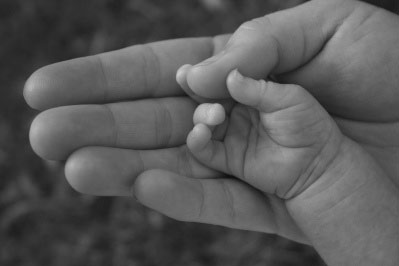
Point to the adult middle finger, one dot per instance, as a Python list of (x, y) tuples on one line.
[(143, 124)]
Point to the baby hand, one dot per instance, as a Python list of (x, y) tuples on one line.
[(320, 45), (278, 137)]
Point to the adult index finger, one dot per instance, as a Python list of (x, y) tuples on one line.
[(135, 72)]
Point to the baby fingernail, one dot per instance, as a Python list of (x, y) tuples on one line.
[(184, 68), (181, 73), (210, 60), (237, 75)]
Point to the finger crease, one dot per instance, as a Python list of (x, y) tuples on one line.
[(115, 131), (245, 154), (104, 78), (202, 203), (152, 70), (166, 122), (183, 164), (230, 201)]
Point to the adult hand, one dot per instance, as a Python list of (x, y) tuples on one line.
[(99, 83), (116, 116)]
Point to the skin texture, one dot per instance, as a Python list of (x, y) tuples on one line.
[(332, 67), (279, 139)]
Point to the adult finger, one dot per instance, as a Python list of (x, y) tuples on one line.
[(222, 201), (135, 72), (104, 171), (269, 45), (143, 124)]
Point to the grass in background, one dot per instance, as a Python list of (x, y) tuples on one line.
[(44, 222)]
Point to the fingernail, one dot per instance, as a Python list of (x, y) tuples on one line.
[(235, 76), (238, 75), (181, 79), (181, 74), (206, 62), (211, 60)]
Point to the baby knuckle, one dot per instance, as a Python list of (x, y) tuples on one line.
[(263, 85)]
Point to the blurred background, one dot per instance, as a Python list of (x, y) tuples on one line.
[(42, 220)]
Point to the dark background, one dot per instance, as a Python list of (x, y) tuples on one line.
[(42, 220)]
